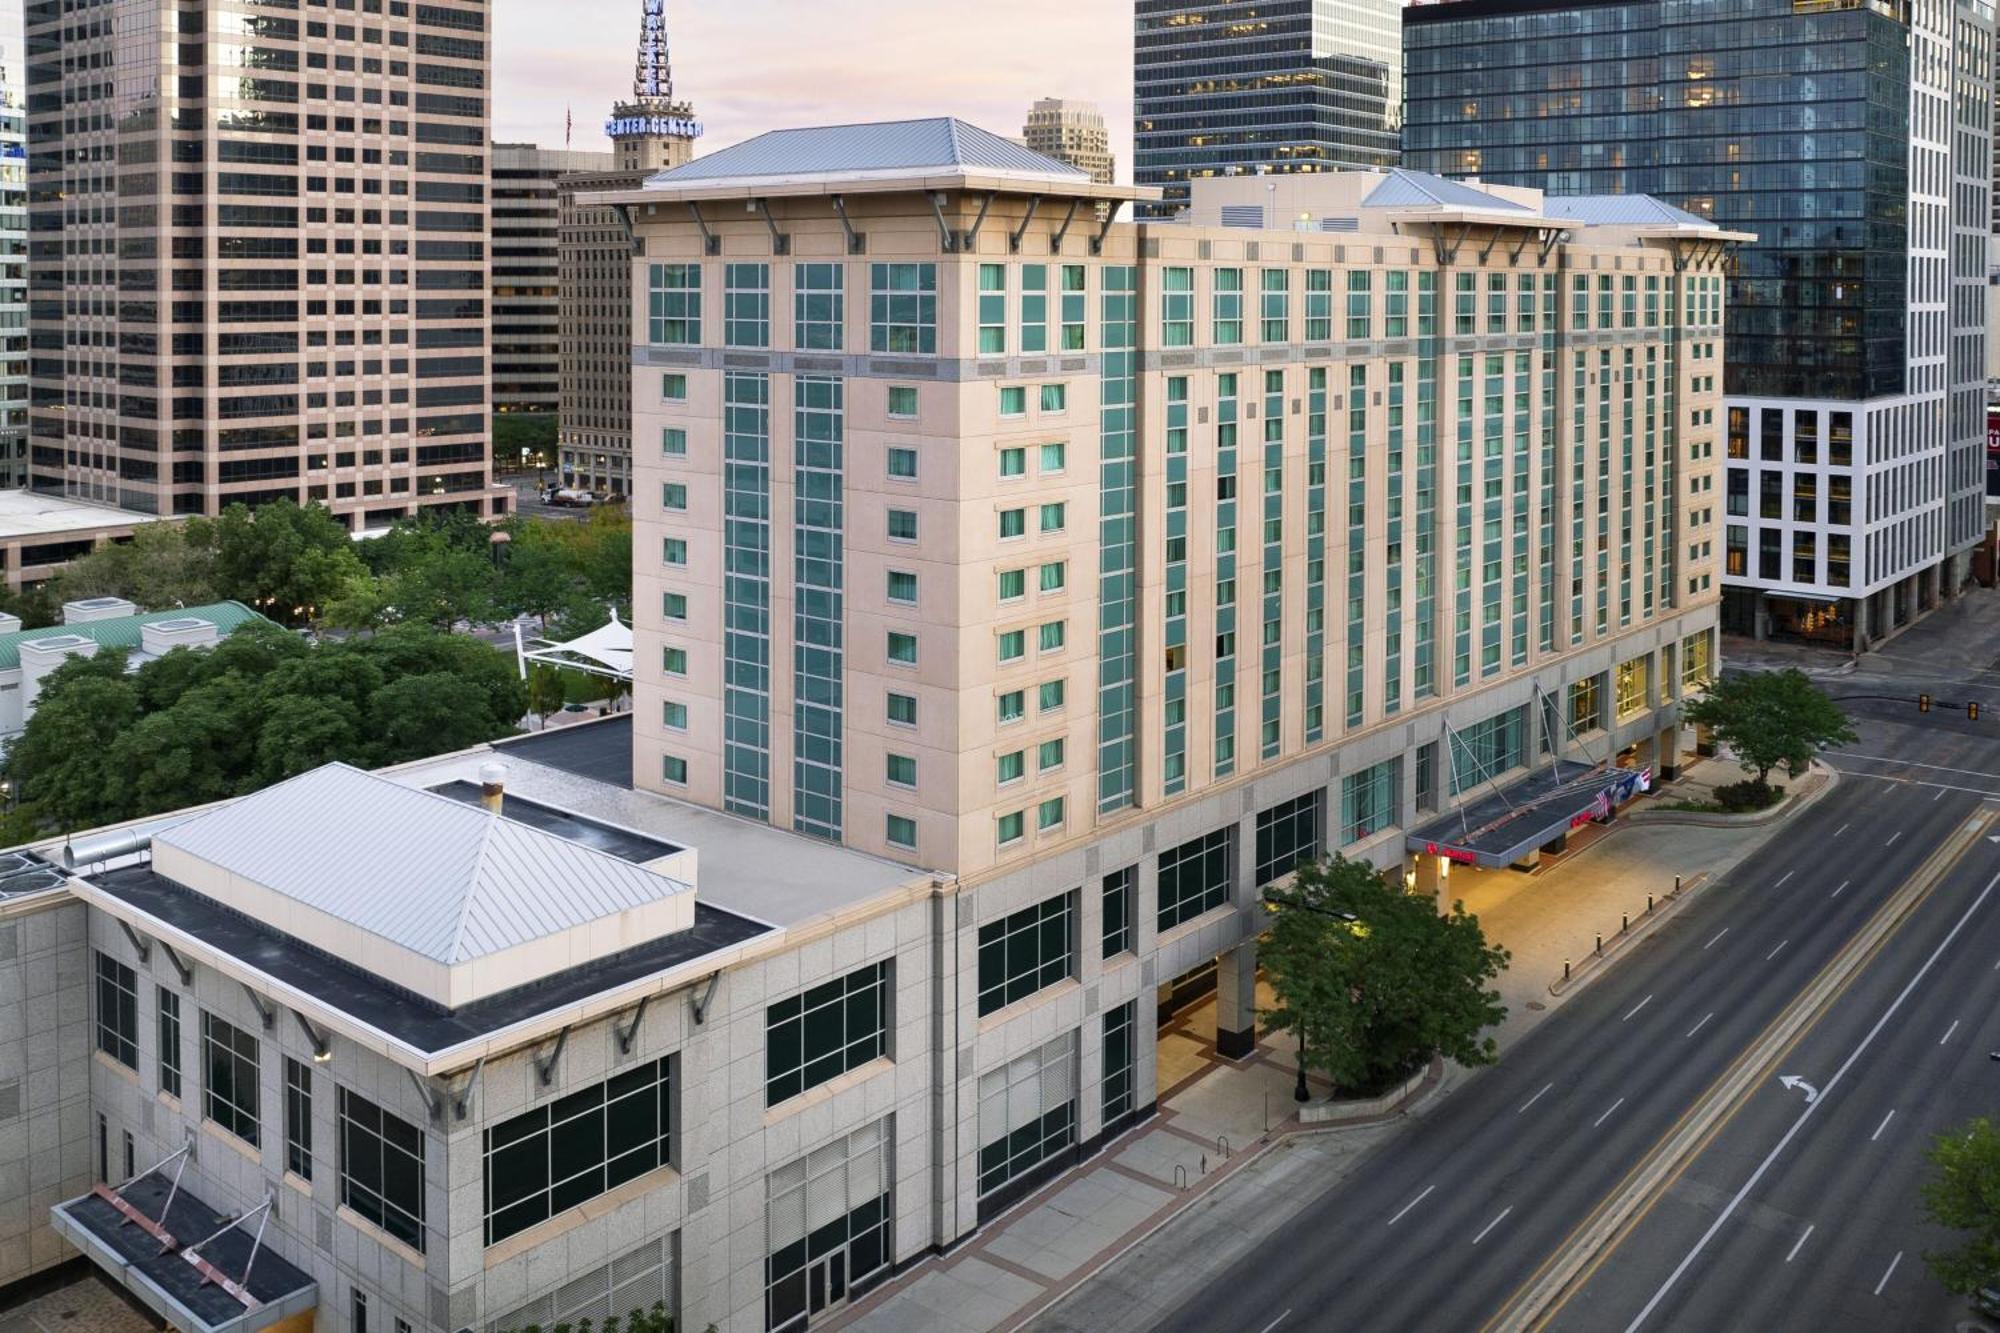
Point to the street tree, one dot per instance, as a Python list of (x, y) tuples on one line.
[(546, 692), (1771, 719), (285, 559), (1375, 980), (1963, 1195), (61, 764), (163, 565)]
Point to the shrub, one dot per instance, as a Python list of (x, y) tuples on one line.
[(1742, 798)]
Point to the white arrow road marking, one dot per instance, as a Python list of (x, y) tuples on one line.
[(1791, 1082), (1799, 1244), (1411, 1204)]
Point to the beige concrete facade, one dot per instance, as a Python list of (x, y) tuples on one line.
[(281, 291), (1386, 478), (527, 294)]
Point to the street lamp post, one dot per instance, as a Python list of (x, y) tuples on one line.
[(1300, 1093)]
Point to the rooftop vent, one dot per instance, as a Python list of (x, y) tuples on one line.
[(163, 636), (97, 608)]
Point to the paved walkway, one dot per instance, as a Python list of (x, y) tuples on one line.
[(87, 1305), (1051, 1242)]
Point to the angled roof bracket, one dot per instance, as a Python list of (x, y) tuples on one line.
[(322, 1042), (1551, 238), (781, 244), (429, 1096), (1055, 243), (462, 1098), (857, 242), (545, 1068), (1514, 255), (1492, 239), (1014, 236), (946, 236), (711, 244), (139, 945), (972, 232), (626, 1032), (706, 998), (180, 964), (1103, 230), (264, 1011)]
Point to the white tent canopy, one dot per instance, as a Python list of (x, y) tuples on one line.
[(605, 651)]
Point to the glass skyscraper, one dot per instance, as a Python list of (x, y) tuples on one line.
[(1288, 85), (1854, 138)]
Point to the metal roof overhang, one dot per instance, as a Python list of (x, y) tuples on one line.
[(142, 1235), (1498, 830), (899, 180)]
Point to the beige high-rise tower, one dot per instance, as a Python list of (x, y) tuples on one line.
[(650, 133), (280, 289), (1071, 132)]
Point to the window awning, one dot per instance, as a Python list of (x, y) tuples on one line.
[(193, 1266), (1499, 829)]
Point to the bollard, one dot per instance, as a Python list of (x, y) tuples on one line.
[(1565, 969), (1600, 941), (1677, 886), (1649, 904), (1624, 922)]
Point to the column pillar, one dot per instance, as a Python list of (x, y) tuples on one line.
[(1236, 1001), (1667, 766), (1434, 879)]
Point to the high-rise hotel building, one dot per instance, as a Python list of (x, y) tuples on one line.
[(258, 255), (1855, 140), (976, 533)]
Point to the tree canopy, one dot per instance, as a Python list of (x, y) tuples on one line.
[(105, 744), (1376, 980), (1963, 1194), (1771, 719)]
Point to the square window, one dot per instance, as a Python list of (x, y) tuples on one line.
[(902, 770), (902, 709), (674, 661), (1013, 645), (674, 388), (1013, 583), (673, 495), (1052, 457), (901, 831), (676, 715), (1013, 400), (903, 648), (1013, 523), (1010, 767), (674, 769), (674, 551), (1049, 814), (674, 442), (1055, 397), (902, 400), (1009, 828), (1054, 576), (1012, 705), (902, 586), (1052, 635), (1053, 517), (1050, 696), (902, 525), (1013, 462), (1049, 755), (674, 605), (902, 464)]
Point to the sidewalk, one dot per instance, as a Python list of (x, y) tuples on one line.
[(1223, 1123)]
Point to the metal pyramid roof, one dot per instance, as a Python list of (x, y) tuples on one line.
[(1403, 188), (438, 877), (939, 145)]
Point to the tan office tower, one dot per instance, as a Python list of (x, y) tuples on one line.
[(1071, 132), (649, 133), (258, 265), (978, 534), (527, 295)]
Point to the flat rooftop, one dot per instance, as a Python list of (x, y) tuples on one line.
[(29, 514)]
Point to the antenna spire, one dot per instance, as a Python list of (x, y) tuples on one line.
[(653, 79)]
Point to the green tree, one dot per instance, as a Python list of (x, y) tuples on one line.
[(197, 751), (288, 561), (1771, 719), (535, 578), (448, 586), (61, 765), (545, 692), (37, 606), (301, 732), (1963, 1194), (424, 715), (1376, 980), (163, 565)]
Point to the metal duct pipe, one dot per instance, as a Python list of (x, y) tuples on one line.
[(122, 842)]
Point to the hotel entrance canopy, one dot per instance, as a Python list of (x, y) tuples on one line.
[(1500, 828)]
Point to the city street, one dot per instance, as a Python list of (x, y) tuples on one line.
[(1448, 1224)]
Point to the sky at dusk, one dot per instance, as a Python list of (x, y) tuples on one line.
[(755, 65)]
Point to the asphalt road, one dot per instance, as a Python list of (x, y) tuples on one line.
[(1441, 1227)]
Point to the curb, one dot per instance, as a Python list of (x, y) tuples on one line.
[(1596, 962), (1816, 784)]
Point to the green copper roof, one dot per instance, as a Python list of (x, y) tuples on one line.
[(123, 631)]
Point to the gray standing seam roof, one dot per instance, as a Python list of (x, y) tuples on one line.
[(441, 878), (943, 144), (1615, 210), (1403, 188)]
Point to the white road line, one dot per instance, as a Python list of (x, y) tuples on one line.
[(1842, 829), (1911, 763), (1532, 1100), (1411, 1204), (1494, 1223), (1704, 1023), (1636, 1008), (1275, 1322), (1781, 880), (1940, 793), (1780, 949), (1888, 1272), (1892, 838), (1800, 1243), (1836, 893), (1725, 930), (1884, 1125), (1736, 1200), (1607, 1115), (1948, 1031)]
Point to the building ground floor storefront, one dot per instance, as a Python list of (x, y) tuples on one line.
[(1849, 624)]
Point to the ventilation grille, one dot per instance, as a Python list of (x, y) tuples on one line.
[(1243, 215)]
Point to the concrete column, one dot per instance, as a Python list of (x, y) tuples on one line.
[(1236, 1001), (1858, 608), (1434, 879), (1668, 747)]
